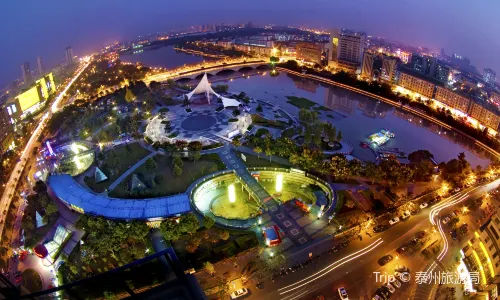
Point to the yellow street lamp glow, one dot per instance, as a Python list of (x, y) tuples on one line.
[(232, 193), (279, 182)]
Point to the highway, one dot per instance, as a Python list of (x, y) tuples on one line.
[(14, 178), (353, 267)]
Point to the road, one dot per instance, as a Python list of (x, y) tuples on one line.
[(11, 185), (353, 267)]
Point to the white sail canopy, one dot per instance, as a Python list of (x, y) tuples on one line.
[(205, 87)]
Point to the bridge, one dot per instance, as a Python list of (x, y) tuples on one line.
[(211, 68)]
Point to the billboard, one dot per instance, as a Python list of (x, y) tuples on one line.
[(29, 98)]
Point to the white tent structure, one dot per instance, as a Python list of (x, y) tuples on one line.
[(205, 87)]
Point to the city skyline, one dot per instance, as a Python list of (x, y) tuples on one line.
[(92, 25)]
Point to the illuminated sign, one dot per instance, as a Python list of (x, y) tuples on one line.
[(29, 98)]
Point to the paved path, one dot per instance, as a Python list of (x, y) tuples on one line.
[(129, 171)]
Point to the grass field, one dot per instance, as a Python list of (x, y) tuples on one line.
[(300, 102), (124, 157), (170, 184)]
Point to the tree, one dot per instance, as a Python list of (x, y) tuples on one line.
[(259, 108), (223, 234), (236, 142), (177, 170), (51, 208), (209, 267), (151, 164), (257, 150), (223, 286), (339, 167), (339, 136), (189, 223), (196, 155), (208, 222), (193, 244), (129, 95), (274, 59), (269, 152)]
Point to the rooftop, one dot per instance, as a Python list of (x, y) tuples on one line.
[(72, 194)]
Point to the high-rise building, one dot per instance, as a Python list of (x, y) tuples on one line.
[(489, 76), (350, 50), (39, 65), (389, 66), (404, 56), (429, 66), (69, 55), (26, 71), (367, 68), (333, 45)]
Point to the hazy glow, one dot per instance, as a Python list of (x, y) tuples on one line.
[(232, 193), (279, 182)]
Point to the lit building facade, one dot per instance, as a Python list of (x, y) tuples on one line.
[(31, 100), (485, 116), (417, 85), (367, 68), (388, 72), (452, 99), (350, 50), (404, 56), (309, 52), (481, 255)]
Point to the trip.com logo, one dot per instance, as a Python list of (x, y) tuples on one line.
[(388, 278)]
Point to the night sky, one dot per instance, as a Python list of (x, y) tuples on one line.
[(30, 28)]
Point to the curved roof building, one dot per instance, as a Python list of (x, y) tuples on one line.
[(80, 199)]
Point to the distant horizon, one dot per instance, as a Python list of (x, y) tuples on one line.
[(36, 29)]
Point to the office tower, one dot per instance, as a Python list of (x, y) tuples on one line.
[(333, 44), (26, 71), (351, 46), (442, 53), (417, 63), (6, 132), (430, 67), (489, 76), (69, 55), (388, 72), (39, 65), (367, 69)]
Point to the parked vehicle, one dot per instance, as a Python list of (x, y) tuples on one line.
[(423, 205), (385, 259), (343, 293), (394, 220), (239, 293)]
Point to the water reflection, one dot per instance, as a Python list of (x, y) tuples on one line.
[(356, 115)]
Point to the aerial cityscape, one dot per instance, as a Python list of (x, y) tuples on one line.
[(233, 152)]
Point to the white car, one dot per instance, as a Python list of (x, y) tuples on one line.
[(239, 293), (394, 220), (396, 283), (389, 287), (446, 220), (343, 293), (377, 297), (423, 205), (405, 215)]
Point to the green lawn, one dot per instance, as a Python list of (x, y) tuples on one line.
[(124, 157), (300, 102), (169, 184), (254, 161), (320, 107)]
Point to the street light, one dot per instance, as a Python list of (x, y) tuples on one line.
[(232, 193), (279, 182)]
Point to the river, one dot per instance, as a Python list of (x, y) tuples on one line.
[(355, 115)]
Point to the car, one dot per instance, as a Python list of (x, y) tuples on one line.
[(413, 242), (423, 205), (453, 234), (389, 287), (421, 234), (446, 220), (396, 283), (402, 249), (402, 269), (343, 293), (239, 293), (405, 215), (456, 190), (383, 293), (393, 220), (385, 259), (379, 228), (377, 297)]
